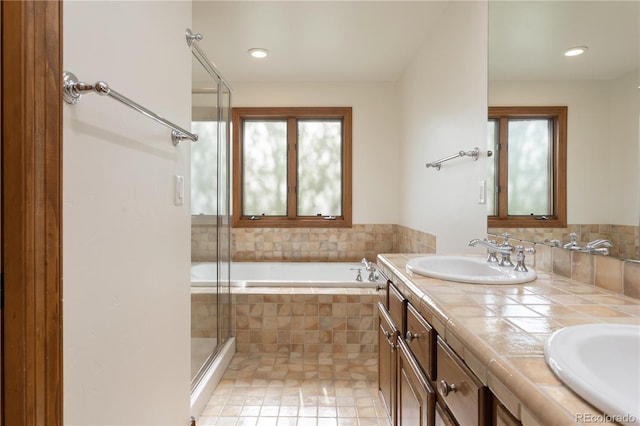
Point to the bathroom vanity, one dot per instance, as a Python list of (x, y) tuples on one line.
[(468, 354)]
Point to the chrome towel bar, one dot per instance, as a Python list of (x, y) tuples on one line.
[(474, 153), (73, 89)]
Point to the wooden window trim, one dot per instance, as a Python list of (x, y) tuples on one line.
[(291, 114), (559, 217)]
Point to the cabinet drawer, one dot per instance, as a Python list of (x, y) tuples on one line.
[(397, 303), (421, 338), (465, 396), (416, 398)]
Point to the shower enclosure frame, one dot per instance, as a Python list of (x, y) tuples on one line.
[(210, 372)]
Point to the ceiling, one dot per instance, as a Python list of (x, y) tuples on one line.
[(314, 40), (376, 40), (527, 39)]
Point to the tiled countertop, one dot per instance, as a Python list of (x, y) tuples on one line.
[(500, 332)]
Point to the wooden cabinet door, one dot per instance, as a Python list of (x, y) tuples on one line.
[(416, 398), (387, 361), (463, 394)]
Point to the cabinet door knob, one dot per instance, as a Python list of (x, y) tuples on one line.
[(444, 388), (410, 336)]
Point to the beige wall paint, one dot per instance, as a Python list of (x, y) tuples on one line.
[(126, 246), (444, 110), (603, 142)]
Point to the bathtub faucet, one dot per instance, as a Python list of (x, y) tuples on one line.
[(359, 276), (371, 268)]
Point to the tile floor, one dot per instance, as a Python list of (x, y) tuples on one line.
[(295, 389)]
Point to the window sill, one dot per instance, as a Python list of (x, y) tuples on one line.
[(265, 222), (526, 223)]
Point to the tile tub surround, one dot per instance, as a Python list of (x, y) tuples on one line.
[(311, 244), (304, 320), (500, 332), (605, 272)]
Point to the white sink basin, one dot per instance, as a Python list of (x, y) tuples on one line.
[(467, 269), (600, 362)]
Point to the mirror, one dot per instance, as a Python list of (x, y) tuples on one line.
[(601, 89)]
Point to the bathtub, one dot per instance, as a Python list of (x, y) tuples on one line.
[(286, 274)]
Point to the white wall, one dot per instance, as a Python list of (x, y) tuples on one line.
[(624, 153), (602, 142), (126, 246), (444, 110), (376, 135)]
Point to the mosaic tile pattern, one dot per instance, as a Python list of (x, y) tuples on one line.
[(304, 320), (311, 244), (296, 389), (407, 240)]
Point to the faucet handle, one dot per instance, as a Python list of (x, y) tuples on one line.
[(492, 253), (521, 250)]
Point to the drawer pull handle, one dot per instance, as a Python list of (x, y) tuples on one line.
[(410, 336), (380, 287), (392, 346), (389, 336), (444, 388)]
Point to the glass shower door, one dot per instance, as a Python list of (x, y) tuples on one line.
[(210, 208)]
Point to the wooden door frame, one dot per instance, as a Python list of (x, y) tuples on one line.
[(31, 212)]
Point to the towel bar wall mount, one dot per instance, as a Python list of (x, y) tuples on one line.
[(474, 154), (73, 89)]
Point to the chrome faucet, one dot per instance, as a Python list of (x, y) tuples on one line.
[(594, 246), (371, 268), (520, 257), (553, 243), (367, 265), (597, 243), (493, 248), (359, 276), (573, 244), (505, 258)]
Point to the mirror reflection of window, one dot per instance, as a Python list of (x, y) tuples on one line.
[(529, 188), (528, 174)]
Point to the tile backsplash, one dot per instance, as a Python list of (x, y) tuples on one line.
[(625, 239), (352, 244), (610, 273), (312, 244)]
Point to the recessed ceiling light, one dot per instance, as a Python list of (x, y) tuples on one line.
[(575, 51), (258, 52)]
